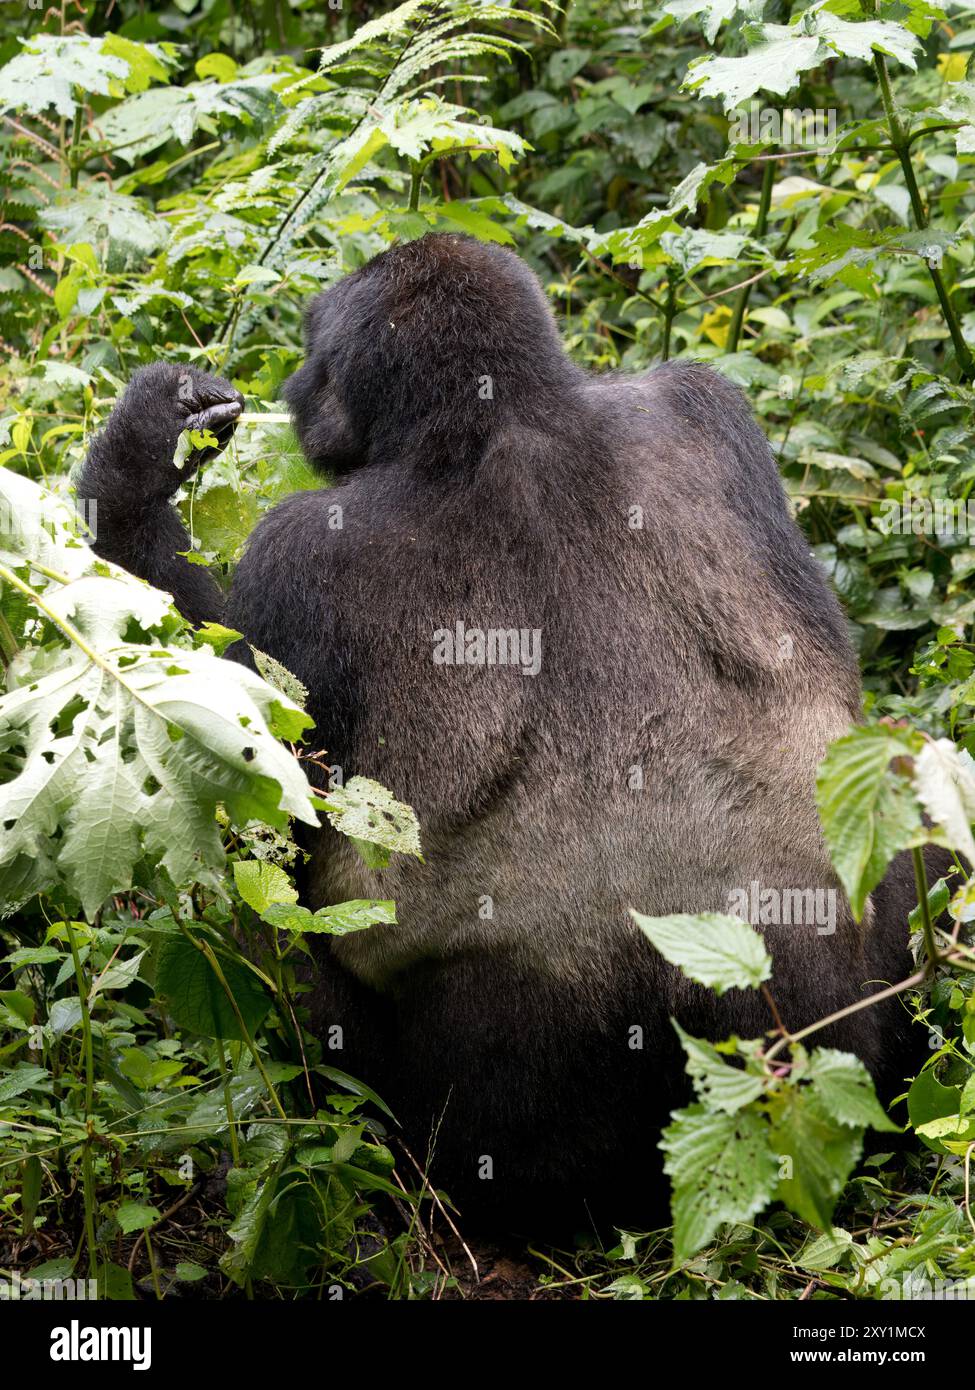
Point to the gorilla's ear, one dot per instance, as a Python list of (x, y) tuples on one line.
[(324, 427)]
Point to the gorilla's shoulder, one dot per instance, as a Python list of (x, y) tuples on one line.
[(702, 396)]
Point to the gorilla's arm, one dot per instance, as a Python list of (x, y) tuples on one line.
[(130, 475)]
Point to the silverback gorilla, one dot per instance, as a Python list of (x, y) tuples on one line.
[(571, 621)]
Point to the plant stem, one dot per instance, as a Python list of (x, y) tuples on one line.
[(927, 926), (416, 178), (761, 225), (87, 1169), (917, 978), (901, 144), (670, 312), (228, 1101), (74, 163)]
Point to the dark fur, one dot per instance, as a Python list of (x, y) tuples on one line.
[(661, 648)]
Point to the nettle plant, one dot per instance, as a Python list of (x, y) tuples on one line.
[(137, 767), (774, 1121)]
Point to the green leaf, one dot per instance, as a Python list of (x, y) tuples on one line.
[(51, 66), (826, 1251), (722, 1170), (136, 1216), (117, 976), (864, 38), (944, 780), (821, 1152), (718, 1084), (339, 920), (846, 1090), (260, 884), (24, 1077), (371, 816), (713, 949), (867, 815), (64, 1015), (197, 1000), (33, 955), (122, 231), (144, 122), (774, 66), (157, 739), (928, 1101)]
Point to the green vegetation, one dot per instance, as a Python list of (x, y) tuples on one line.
[(178, 182)]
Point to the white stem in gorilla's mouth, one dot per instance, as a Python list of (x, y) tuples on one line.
[(264, 417)]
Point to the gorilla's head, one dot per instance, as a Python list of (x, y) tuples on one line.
[(425, 351)]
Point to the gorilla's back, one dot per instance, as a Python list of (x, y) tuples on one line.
[(603, 685)]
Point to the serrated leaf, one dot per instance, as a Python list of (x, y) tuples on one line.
[(826, 1251), (260, 884), (867, 815), (366, 812), (865, 37), (944, 779), (722, 1170), (821, 1152), (717, 1083), (24, 1077), (846, 1090), (51, 66), (123, 233), (118, 976), (136, 1216), (774, 66), (156, 740), (716, 950)]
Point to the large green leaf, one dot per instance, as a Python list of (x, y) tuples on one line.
[(722, 1169), (816, 1153), (122, 230), (53, 66), (867, 814), (710, 947), (196, 998), (120, 748), (149, 119)]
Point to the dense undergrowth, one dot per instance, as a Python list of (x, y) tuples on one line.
[(783, 192)]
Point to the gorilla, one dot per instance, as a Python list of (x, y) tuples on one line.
[(571, 621)]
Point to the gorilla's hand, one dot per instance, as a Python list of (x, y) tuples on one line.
[(161, 401)]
